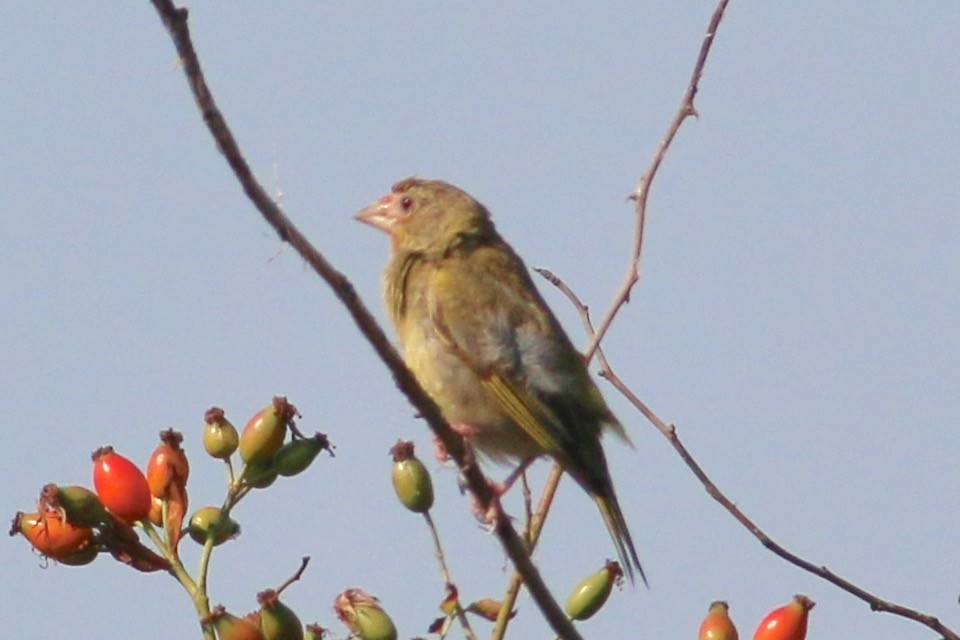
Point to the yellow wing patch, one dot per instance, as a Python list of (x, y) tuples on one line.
[(522, 408)]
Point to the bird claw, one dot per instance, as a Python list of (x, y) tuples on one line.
[(463, 430), (498, 488), (481, 513), (440, 452), (489, 515), (495, 513)]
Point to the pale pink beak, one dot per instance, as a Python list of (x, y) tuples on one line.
[(379, 214)]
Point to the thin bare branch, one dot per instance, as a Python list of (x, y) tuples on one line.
[(304, 561), (605, 370), (639, 196), (534, 527), (445, 576)]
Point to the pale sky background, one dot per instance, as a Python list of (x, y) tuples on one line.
[(797, 317)]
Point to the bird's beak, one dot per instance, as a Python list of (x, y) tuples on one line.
[(379, 214)]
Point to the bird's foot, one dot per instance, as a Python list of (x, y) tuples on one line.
[(491, 514), (440, 452), (463, 430), (501, 488)]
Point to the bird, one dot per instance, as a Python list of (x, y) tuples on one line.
[(481, 341)]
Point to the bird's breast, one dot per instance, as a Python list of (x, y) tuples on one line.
[(461, 396)]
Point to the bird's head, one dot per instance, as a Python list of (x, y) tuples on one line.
[(427, 216)]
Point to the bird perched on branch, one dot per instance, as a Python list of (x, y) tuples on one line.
[(481, 341)]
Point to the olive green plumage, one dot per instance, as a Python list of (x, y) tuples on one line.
[(478, 336)]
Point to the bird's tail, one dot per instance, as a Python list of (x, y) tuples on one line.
[(617, 526)]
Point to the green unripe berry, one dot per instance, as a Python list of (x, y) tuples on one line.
[(265, 431), (277, 620), (411, 480), (260, 475), (220, 437), (80, 506), (592, 593), (211, 521), (294, 457), (363, 615)]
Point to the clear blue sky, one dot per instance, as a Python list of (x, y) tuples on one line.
[(797, 317)]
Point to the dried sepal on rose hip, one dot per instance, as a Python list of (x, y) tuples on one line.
[(295, 456), (788, 622), (254, 617), (277, 620), (362, 614), (156, 511), (121, 541), (411, 480), (120, 485), (220, 437), (717, 624), (265, 431), (450, 606), (314, 632), (176, 512), (451, 603), (591, 594)]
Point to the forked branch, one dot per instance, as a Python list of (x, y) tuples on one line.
[(639, 195)]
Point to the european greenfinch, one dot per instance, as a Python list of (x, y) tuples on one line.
[(481, 341)]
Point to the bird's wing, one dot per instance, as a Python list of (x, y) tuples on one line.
[(487, 310)]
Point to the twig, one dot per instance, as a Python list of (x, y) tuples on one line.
[(639, 195), (289, 581), (534, 526), (175, 21), (527, 506), (203, 570), (196, 589), (445, 576), (670, 432)]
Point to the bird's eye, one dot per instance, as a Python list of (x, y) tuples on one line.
[(406, 202)]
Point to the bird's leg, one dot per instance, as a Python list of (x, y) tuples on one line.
[(463, 430), (500, 488), (494, 509), (491, 513), (440, 452)]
